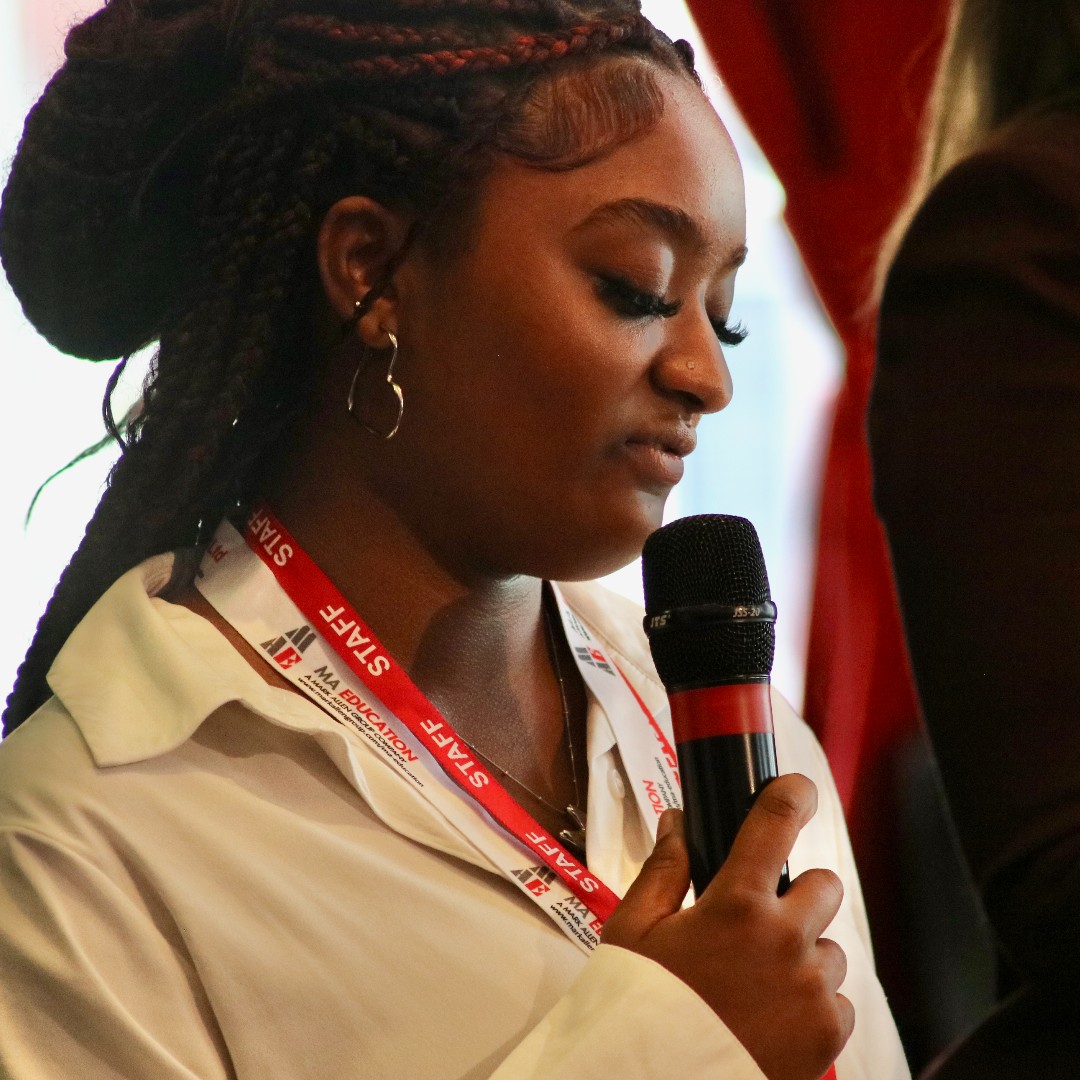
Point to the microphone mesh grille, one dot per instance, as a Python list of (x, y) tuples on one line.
[(707, 559)]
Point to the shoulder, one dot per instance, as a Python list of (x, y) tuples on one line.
[(1018, 193), (1037, 155), (981, 302), (48, 778)]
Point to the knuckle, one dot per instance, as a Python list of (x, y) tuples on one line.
[(835, 958), (832, 880), (742, 902), (780, 802), (789, 939), (823, 982), (834, 1027), (827, 882), (832, 1033), (846, 1014), (837, 1027), (790, 797)]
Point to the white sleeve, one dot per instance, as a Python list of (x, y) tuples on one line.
[(627, 1017), (90, 986), (96, 982)]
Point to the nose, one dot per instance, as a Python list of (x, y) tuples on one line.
[(691, 366)]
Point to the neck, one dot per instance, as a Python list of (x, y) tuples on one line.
[(447, 626), (475, 645)]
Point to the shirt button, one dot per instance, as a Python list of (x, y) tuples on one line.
[(615, 784)]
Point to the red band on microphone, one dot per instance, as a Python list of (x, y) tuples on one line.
[(735, 709)]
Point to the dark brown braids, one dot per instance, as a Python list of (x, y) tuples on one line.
[(170, 183)]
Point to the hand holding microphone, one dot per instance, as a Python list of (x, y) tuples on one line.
[(751, 950), (756, 958)]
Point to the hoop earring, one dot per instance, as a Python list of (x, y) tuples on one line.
[(398, 403)]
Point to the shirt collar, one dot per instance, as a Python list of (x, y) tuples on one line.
[(139, 675), (617, 623)]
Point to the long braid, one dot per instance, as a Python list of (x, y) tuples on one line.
[(306, 101), (178, 471)]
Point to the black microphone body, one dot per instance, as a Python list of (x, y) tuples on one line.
[(721, 776), (710, 623)]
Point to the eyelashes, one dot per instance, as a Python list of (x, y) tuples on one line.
[(625, 298), (729, 335)]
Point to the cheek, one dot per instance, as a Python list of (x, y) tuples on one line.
[(527, 353), (566, 350)]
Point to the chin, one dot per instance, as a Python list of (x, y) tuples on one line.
[(608, 546), (596, 570)]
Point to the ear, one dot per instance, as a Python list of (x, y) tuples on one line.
[(357, 242)]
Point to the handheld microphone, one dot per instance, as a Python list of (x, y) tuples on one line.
[(711, 628)]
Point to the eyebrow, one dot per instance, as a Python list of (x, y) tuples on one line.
[(670, 220)]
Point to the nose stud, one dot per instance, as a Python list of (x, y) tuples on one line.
[(690, 365)]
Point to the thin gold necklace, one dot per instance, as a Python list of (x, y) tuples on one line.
[(574, 835)]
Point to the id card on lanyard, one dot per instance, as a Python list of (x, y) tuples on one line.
[(271, 592)]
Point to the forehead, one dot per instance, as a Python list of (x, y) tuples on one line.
[(686, 162)]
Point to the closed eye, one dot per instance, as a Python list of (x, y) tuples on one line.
[(625, 298)]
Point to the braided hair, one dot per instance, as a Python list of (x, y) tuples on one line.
[(171, 180)]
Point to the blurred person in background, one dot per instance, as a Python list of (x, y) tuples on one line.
[(974, 427)]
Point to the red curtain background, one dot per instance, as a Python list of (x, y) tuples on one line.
[(834, 93)]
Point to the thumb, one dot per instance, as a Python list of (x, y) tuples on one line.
[(659, 888)]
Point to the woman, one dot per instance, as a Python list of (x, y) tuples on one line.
[(441, 289), (973, 427)]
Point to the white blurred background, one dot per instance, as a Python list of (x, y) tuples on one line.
[(760, 458)]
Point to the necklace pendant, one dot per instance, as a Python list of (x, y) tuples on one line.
[(574, 838)]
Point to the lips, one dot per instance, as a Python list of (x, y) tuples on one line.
[(679, 440), (657, 454)]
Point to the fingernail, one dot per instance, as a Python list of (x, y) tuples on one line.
[(666, 824)]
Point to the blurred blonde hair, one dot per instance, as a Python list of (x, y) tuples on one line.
[(1002, 60)]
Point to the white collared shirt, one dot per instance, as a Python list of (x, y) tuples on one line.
[(203, 876)]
